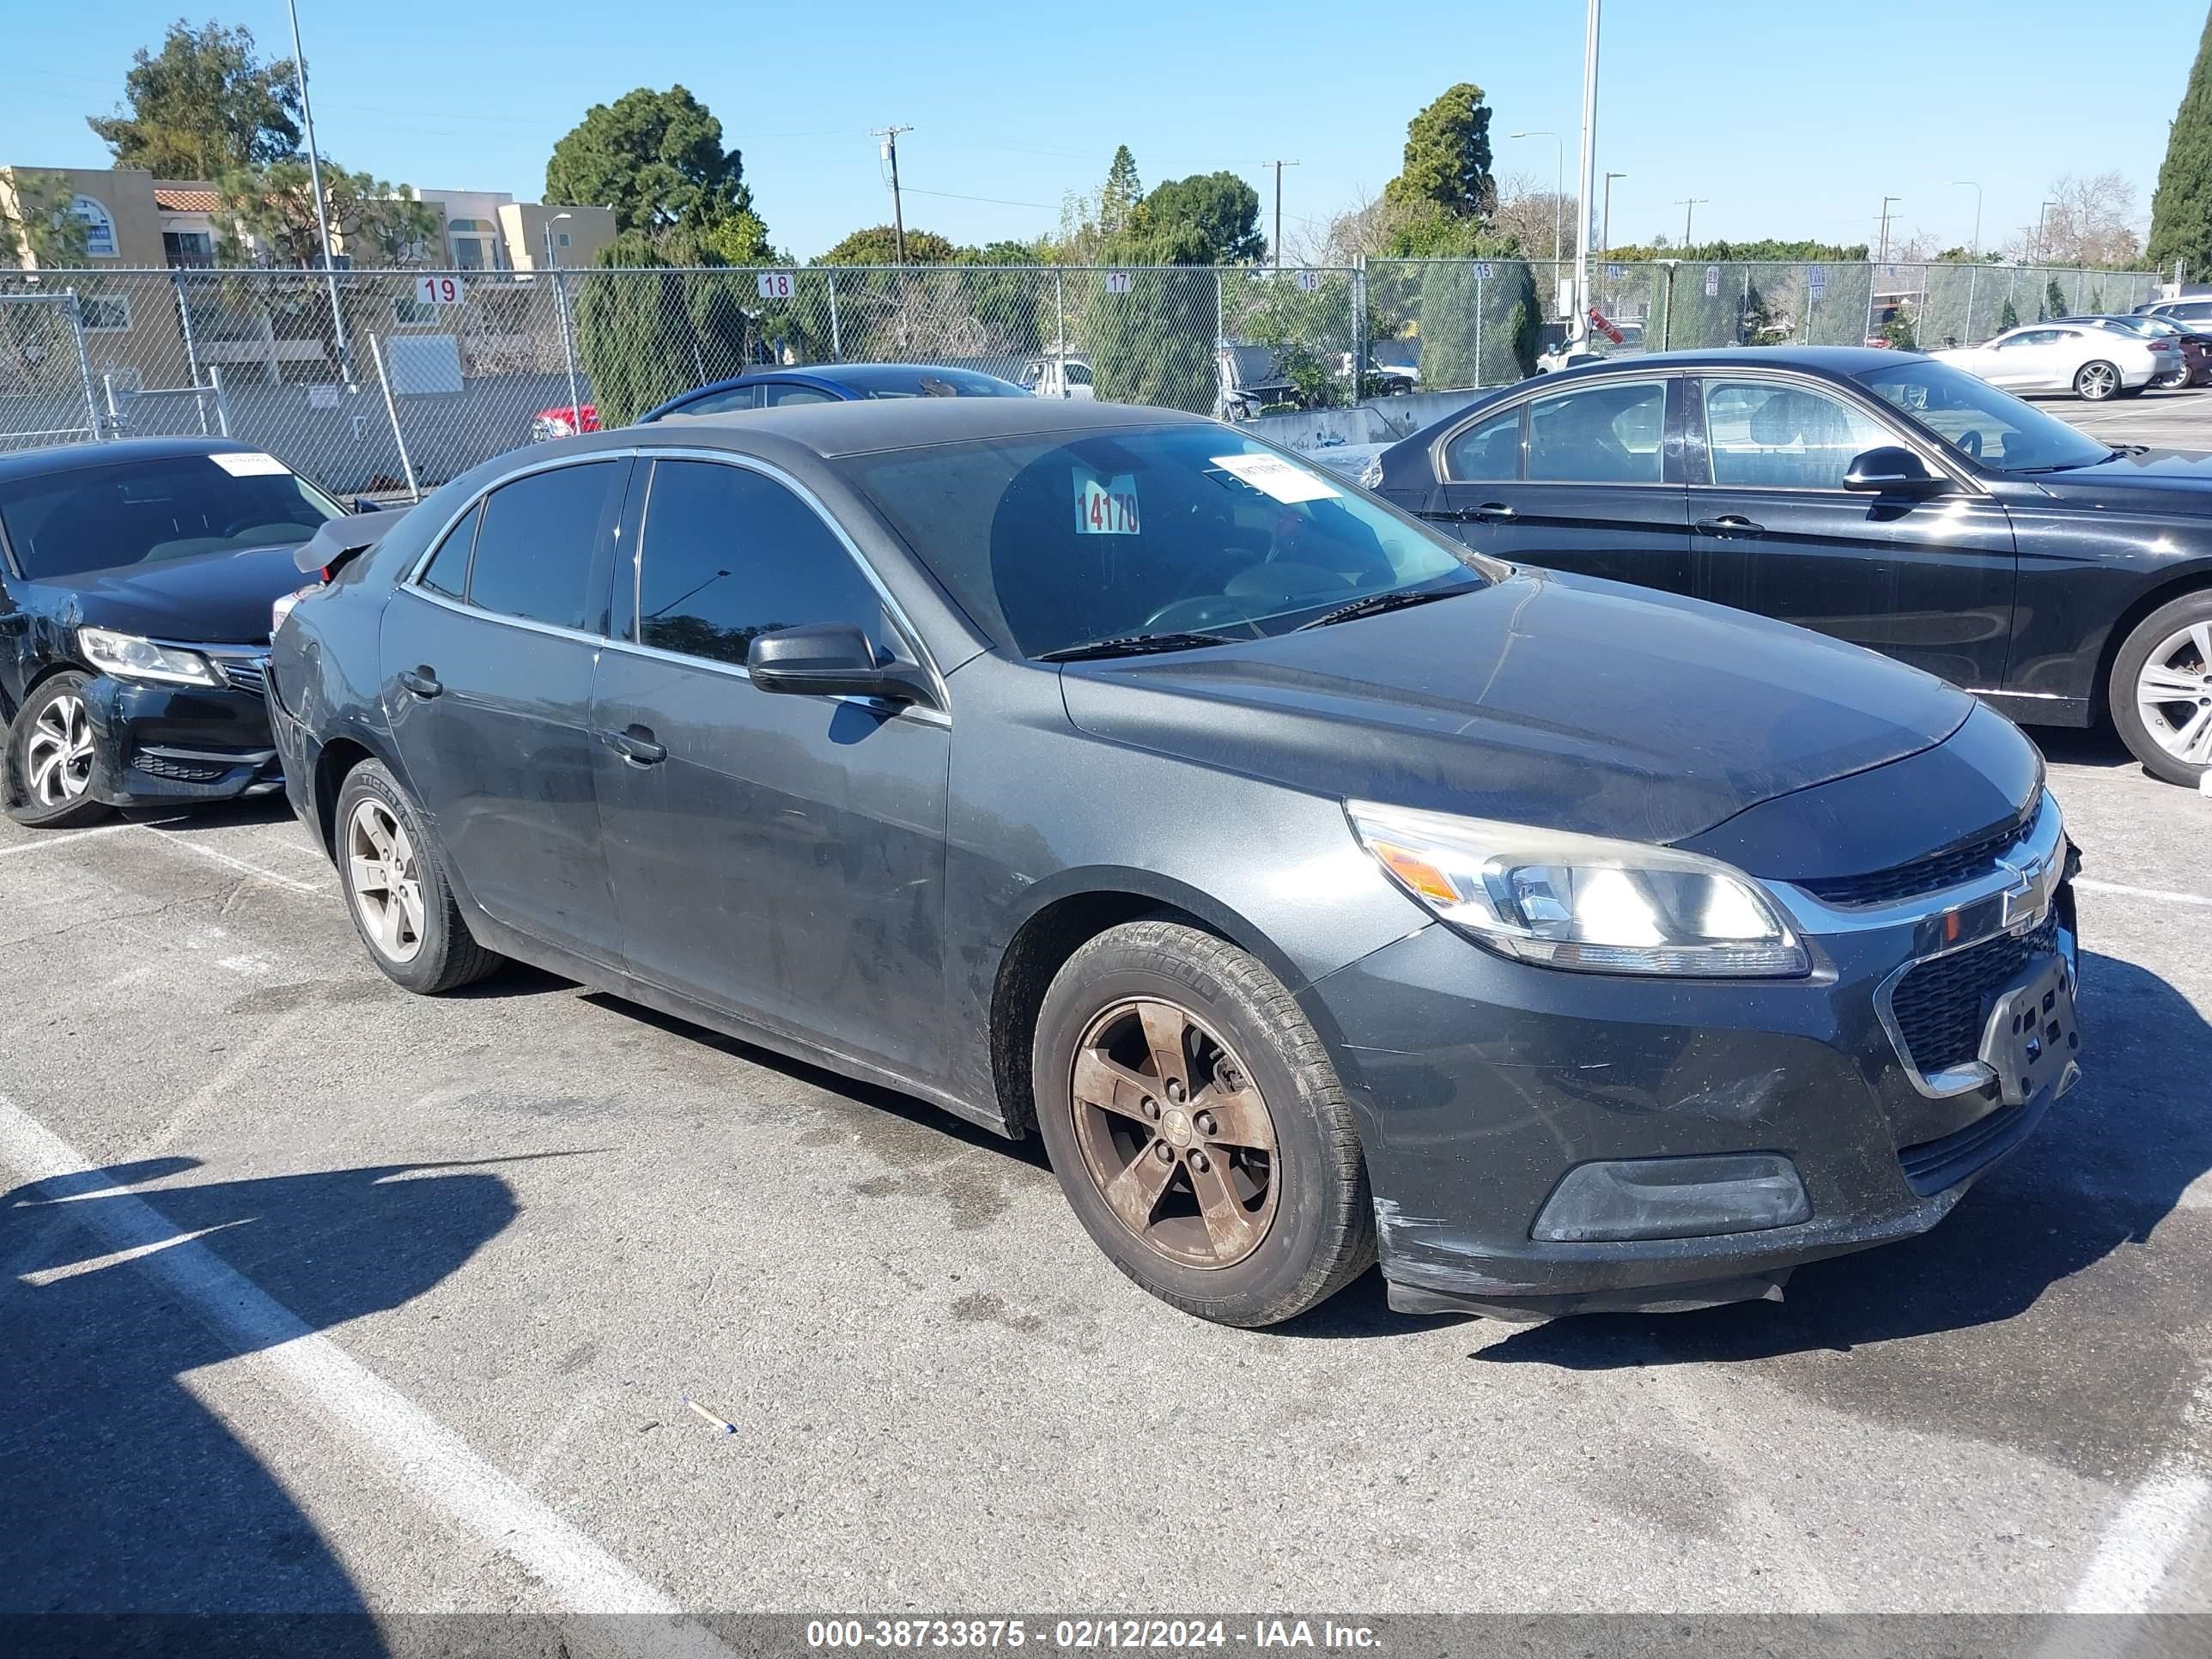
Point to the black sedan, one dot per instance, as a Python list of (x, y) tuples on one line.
[(136, 584), (1877, 496), (1314, 888)]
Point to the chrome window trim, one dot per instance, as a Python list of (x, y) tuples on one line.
[(737, 671), (2028, 882), (411, 582)]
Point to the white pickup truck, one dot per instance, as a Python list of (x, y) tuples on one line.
[(1060, 376)]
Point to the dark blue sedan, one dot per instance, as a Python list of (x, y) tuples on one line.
[(778, 388)]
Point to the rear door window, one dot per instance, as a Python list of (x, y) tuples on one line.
[(536, 546), (1486, 452), (1603, 434), (783, 394), (721, 403)]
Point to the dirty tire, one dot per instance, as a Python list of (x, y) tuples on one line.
[(2180, 634), (1320, 1225), (43, 727), (445, 955)]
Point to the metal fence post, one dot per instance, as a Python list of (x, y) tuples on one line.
[(221, 407), (567, 353), (191, 346), (836, 340), (1973, 275), (1059, 332), (1359, 329), (1478, 328), (115, 417), (84, 365), (391, 408), (1870, 316)]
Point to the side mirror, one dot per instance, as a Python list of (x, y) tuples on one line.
[(1892, 470), (832, 660)]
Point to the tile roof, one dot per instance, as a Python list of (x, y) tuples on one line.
[(185, 198)]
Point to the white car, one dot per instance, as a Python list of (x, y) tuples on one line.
[(2095, 363)]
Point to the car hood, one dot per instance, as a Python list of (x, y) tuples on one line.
[(2170, 480), (1547, 699), (218, 598)]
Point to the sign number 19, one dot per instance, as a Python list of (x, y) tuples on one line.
[(439, 290)]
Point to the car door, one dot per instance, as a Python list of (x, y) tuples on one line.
[(1578, 479), (2027, 361), (486, 658), (779, 856), (1926, 579)]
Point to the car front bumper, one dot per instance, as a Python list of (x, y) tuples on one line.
[(162, 744), (1485, 1083)]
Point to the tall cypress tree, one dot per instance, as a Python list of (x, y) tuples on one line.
[(2181, 206)]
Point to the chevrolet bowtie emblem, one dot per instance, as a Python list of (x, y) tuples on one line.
[(2027, 897)]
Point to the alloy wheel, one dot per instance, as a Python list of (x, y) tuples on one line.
[(385, 883), (2173, 693), (1175, 1134), (57, 754), (2097, 382)]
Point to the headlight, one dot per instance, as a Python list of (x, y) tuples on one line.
[(1370, 476), (1582, 901), (128, 657)]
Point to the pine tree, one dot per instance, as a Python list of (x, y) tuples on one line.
[(2007, 317), (1117, 202), (2054, 299), (2181, 206)]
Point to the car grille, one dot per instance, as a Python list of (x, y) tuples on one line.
[(178, 770), (249, 674), (1962, 861), (1940, 1004)]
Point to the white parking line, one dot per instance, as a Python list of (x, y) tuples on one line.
[(185, 844), (2089, 886), (413, 1449), (62, 838), (2137, 1548)]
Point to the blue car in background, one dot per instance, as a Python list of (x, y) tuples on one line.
[(778, 388)]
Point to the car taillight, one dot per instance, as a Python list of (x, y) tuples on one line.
[(282, 607)]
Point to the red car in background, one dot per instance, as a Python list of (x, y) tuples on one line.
[(563, 422)]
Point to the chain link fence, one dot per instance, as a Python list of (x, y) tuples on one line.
[(412, 377)]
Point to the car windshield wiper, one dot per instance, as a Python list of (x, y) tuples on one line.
[(1131, 645), (1375, 603)]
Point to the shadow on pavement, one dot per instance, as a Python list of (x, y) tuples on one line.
[(124, 1492), (2069, 1332)]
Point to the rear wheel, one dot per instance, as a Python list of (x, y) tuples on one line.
[(1198, 1127), (52, 756), (2162, 689), (2095, 382), (397, 892)]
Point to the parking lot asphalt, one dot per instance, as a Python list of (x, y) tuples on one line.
[(339, 1299)]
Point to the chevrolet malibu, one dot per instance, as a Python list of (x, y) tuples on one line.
[(1316, 890)]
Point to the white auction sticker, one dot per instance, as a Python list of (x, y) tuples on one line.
[(1105, 507), (1277, 478), (249, 464)]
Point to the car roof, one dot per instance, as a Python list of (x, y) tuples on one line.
[(857, 429), (833, 377), (71, 457)]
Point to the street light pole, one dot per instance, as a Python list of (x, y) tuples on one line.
[(568, 337), (1581, 329), (2042, 217), (322, 212), (1605, 231), (1559, 189), (1975, 246)]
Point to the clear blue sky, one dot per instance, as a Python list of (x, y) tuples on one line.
[(1793, 120)]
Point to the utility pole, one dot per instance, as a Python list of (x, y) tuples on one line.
[(1688, 208), (890, 137), (322, 211), (1278, 166), (1883, 256), (1605, 226), (1974, 247), (2042, 218)]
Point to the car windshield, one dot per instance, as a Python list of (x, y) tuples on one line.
[(1981, 423), (62, 524), (938, 383), (1055, 543)]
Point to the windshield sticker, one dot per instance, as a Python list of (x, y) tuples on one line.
[(249, 464), (1105, 507), (1273, 476)]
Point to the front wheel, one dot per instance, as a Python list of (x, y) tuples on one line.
[(2160, 692), (2095, 382), (1197, 1126), (397, 892), (52, 756)]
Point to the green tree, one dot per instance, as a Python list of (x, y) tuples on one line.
[(662, 318), (37, 220), (1447, 158), (656, 158), (2181, 206), (1118, 200), (2006, 316), (204, 106), (1222, 207), (2054, 299), (1141, 345), (1897, 331), (372, 222), (878, 245)]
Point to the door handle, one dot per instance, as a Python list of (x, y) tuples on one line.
[(1730, 525), (1491, 513), (423, 682), (635, 745)]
